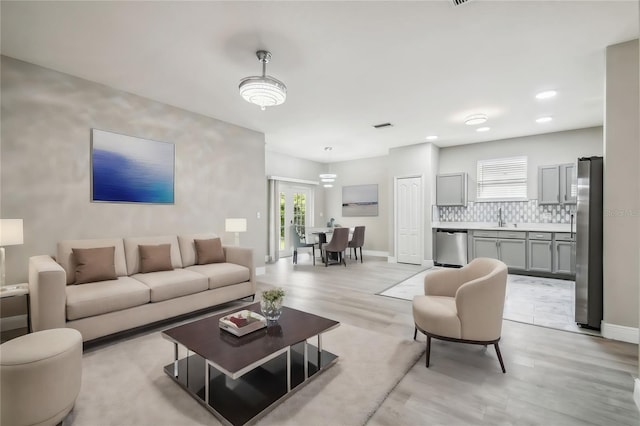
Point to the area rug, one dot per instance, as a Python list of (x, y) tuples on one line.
[(124, 384), (546, 302)]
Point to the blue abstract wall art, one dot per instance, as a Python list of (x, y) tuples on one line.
[(126, 169)]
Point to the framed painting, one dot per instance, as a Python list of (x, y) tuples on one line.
[(360, 200), (126, 169)]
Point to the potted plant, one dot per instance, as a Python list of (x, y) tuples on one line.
[(271, 303)]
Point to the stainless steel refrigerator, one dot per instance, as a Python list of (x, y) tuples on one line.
[(589, 243)]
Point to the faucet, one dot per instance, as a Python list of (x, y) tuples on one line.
[(500, 219)]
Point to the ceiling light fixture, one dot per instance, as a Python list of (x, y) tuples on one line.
[(544, 119), (263, 90), (483, 129), (328, 178), (432, 138), (475, 119), (546, 94)]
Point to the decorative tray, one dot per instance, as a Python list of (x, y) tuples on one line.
[(242, 322)]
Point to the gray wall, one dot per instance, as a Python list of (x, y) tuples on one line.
[(544, 149), (362, 172), (47, 118), (621, 186), (285, 166)]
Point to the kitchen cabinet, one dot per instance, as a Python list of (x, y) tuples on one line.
[(540, 251), (508, 246), (451, 189), (564, 250), (557, 184)]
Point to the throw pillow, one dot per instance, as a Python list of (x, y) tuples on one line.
[(94, 264), (209, 251), (155, 258)]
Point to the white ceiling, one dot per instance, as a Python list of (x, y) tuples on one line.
[(422, 65)]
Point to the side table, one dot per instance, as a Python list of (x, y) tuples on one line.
[(17, 290)]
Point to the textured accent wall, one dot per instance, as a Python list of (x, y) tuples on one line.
[(512, 212), (47, 118)]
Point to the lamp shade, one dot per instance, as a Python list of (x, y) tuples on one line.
[(11, 232), (237, 224)]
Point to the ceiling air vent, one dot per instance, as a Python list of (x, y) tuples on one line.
[(382, 125), (459, 2)]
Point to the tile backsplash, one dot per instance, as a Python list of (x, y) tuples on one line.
[(512, 212)]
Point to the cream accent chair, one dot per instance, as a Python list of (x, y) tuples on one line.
[(463, 305), (40, 375)]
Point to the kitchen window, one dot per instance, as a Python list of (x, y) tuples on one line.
[(502, 179)]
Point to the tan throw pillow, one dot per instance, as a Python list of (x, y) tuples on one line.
[(94, 264), (209, 251), (155, 258)]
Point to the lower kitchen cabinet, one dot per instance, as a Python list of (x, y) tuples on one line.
[(564, 260), (510, 247), (540, 252)]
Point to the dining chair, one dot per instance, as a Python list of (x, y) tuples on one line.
[(357, 241), (296, 243), (338, 245)]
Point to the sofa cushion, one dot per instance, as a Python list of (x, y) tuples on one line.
[(188, 247), (132, 253), (155, 258), (209, 251), (105, 296), (171, 284), (67, 260), (94, 264), (222, 274)]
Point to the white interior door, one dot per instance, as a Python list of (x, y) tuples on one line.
[(409, 220), (295, 209)]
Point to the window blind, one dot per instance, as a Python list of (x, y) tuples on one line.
[(502, 178)]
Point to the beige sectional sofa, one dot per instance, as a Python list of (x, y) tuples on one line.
[(134, 299)]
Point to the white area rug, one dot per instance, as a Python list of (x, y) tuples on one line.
[(546, 302), (124, 384)]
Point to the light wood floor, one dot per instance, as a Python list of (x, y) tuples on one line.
[(553, 377)]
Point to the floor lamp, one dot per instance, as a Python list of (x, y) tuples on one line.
[(236, 225), (10, 235)]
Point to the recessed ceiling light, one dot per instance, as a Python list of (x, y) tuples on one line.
[(546, 94), (432, 138), (472, 120), (544, 119), (483, 129)]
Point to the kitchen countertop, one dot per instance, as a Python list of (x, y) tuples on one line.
[(493, 226)]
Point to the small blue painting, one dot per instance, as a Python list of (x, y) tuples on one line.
[(126, 169)]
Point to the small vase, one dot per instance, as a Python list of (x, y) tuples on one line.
[(271, 309)]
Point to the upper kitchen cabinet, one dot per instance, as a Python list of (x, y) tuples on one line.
[(557, 184), (451, 189)]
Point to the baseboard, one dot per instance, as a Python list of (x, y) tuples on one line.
[(377, 253), (428, 263), (392, 259), (13, 323), (636, 393), (620, 332), (261, 270)]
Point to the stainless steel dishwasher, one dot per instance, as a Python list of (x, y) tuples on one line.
[(451, 247)]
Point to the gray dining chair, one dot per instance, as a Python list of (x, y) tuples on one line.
[(296, 243), (338, 245), (357, 241)]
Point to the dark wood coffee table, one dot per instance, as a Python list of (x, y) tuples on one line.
[(239, 379)]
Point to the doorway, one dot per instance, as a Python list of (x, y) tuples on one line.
[(409, 220), (296, 208)]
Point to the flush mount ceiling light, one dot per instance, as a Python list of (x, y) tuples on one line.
[(263, 90), (546, 94), (483, 129), (475, 119), (328, 177), (544, 119)]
